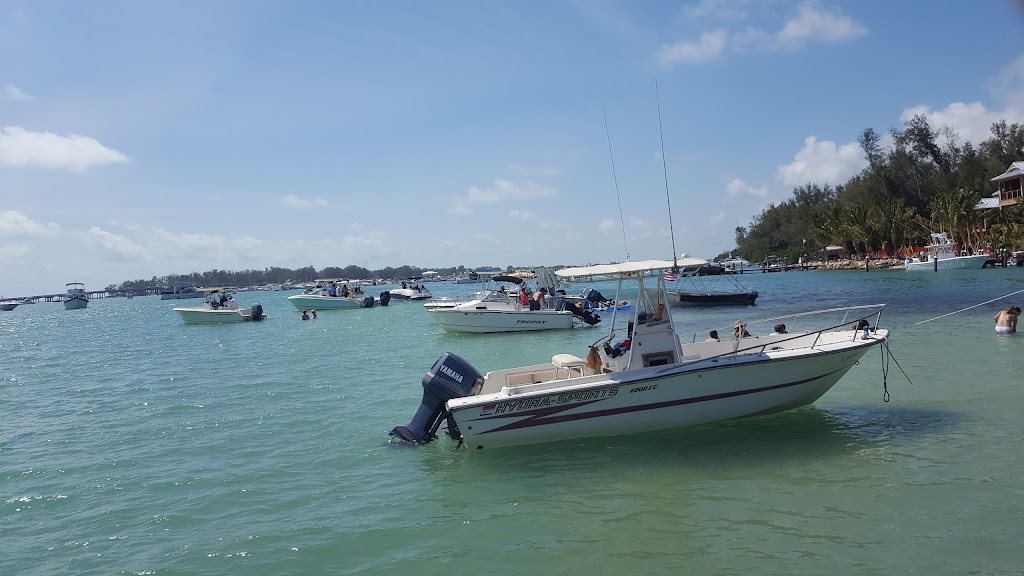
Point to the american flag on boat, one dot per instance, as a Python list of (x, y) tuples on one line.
[(670, 277)]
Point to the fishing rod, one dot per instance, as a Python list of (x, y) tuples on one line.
[(664, 169), (615, 178)]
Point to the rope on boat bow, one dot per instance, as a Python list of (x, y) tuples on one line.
[(886, 356)]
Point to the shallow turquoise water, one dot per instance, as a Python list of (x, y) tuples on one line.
[(131, 443)]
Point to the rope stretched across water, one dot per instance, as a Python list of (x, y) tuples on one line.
[(969, 307)]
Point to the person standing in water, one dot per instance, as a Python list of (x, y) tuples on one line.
[(1006, 320)]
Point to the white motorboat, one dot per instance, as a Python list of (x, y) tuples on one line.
[(220, 307), (182, 290), (500, 311), (328, 295), (8, 305), (941, 256), (738, 265), (651, 382), (76, 298), (410, 291)]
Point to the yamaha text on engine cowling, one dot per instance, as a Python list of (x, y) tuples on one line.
[(449, 377)]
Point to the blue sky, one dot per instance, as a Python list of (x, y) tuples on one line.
[(139, 139)]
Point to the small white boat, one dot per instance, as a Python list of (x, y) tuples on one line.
[(8, 305), (76, 298), (182, 290), (220, 307), (410, 291), (328, 295), (737, 265), (649, 381), (941, 256)]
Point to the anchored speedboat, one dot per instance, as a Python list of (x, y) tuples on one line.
[(649, 380)]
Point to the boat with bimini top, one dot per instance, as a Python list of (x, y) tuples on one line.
[(648, 381), (501, 310), (220, 307), (332, 295)]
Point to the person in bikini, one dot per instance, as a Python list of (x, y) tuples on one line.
[(1006, 320)]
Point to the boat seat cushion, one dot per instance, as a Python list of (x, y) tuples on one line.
[(567, 361)]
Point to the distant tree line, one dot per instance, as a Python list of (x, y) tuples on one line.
[(926, 182), (276, 275)]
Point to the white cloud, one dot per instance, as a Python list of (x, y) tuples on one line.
[(293, 201), (823, 162), (14, 223), (971, 121), (710, 45), (1009, 83), (117, 245), (520, 214), (20, 147), (717, 8), (11, 92), (195, 243), (12, 252), (737, 188), (501, 191), (608, 225), (718, 218), (813, 23)]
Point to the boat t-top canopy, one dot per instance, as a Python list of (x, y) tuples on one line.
[(620, 269), (506, 278)]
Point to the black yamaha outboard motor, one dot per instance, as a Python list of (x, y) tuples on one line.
[(385, 297), (449, 377), (257, 312), (368, 302)]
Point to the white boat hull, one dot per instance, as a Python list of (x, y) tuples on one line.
[(211, 316), (75, 303), (8, 305), (955, 263), (488, 321), (657, 398), (318, 302), (411, 294)]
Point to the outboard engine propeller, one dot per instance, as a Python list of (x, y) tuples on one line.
[(449, 377), (385, 297), (368, 302), (257, 312)]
